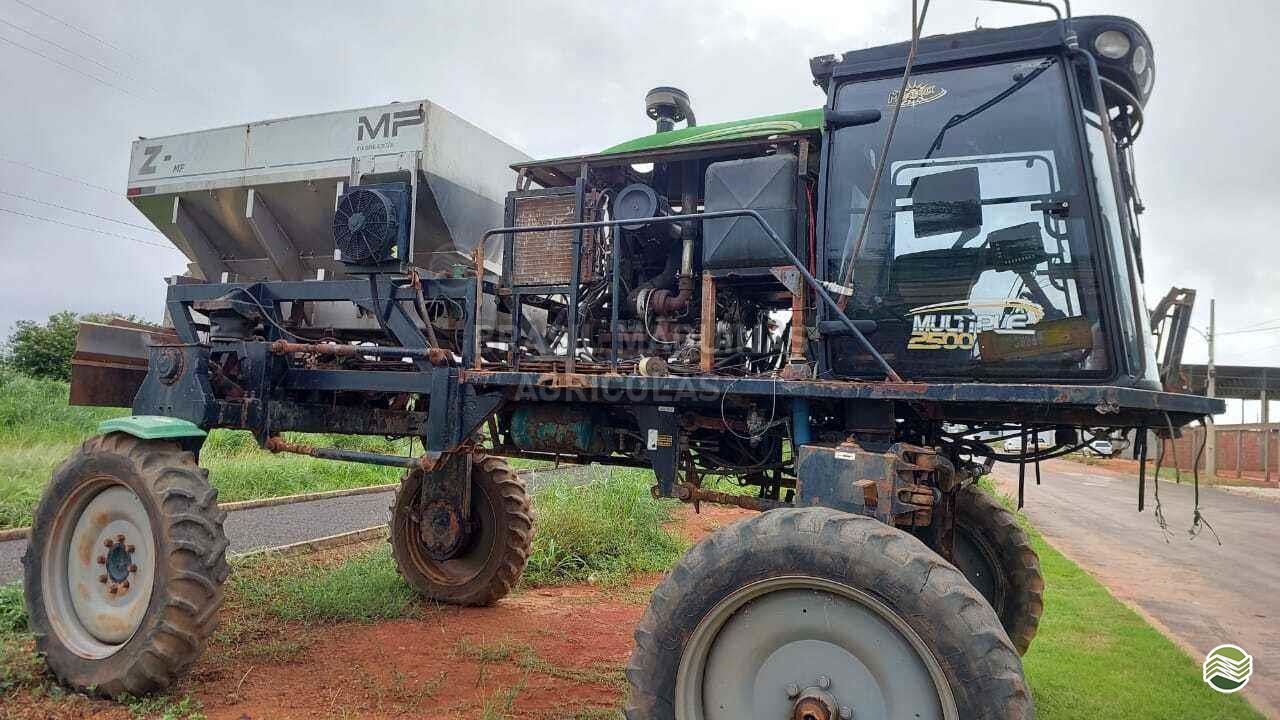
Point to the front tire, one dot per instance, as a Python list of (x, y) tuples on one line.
[(816, 613), (124, 570), (491, 560)]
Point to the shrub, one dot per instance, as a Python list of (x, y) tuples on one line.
[(44, 350)]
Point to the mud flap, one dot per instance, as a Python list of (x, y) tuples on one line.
[(660, 430)]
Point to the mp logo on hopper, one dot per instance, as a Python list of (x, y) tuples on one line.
[(388, 124)]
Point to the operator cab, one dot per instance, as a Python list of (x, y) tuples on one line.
[(1001, 242)]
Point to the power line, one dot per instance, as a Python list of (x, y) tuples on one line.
[(72, 68), (76, 28), (113, 46), (69, 51), (1255, 330), (54, 173), (68, 208), (89, 229), (1253, 351)]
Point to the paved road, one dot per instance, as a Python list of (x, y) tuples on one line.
[(1202, 594), (266, 527), (285, 524)]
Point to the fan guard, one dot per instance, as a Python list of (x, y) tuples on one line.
[(365, 227)]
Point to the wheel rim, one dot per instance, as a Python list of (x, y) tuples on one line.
[(977, 559), (809, 649), (99, 568), (475, 552)]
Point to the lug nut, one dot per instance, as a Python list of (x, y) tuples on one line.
[(824, 682), (793, 690), (102, 579), (133, 568), (846, 712), (102, 559), (128, 548)]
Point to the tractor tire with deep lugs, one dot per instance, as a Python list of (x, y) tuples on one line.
[(125, 566), (994, 552), (492, 559), (816, 613)]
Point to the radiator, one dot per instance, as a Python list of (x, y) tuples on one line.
[(546, 258)]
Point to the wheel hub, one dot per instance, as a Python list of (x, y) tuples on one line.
[(119, 560), (107, 561), (442, 530), (816, 703)]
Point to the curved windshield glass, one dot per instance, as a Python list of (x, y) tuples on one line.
[(976, 260)]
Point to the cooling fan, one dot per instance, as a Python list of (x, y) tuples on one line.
[(371, 224)]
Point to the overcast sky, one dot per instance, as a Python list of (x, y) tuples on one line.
[(82, 79)]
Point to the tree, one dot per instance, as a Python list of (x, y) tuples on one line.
[(45, 350)]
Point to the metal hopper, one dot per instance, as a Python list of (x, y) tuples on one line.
[(255, 202)]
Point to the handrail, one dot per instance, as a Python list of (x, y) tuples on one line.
[(716, 214)]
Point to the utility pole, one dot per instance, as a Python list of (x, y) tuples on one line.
[(1211, 436)]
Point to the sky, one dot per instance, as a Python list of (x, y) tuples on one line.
[(83, 79)]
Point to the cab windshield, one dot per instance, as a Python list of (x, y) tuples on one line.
[(976, 260)]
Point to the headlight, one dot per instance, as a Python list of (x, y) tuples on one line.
[(1112, 44), (1139, 60)]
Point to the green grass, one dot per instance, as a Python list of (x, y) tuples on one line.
[(603, 532), (163, 707), (38, 430), (363, 588)]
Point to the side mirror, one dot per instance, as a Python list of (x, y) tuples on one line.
[(946, 202), (836, 119)]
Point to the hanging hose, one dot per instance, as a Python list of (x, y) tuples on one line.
[(1198, 521)]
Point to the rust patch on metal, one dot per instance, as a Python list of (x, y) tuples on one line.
[(278, 444)]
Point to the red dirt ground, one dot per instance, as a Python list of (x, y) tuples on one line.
[(540, 653)]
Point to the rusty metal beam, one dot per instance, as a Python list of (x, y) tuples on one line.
[(707, 351)]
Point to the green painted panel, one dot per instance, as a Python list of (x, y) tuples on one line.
[(151, 427), (720, 132)]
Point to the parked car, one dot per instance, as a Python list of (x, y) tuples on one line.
[(1102, 448)]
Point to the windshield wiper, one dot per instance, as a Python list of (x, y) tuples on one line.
[(958, 119)]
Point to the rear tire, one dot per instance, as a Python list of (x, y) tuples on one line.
[(894, 629), (131, 615), (996, 556), (492, 559)]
